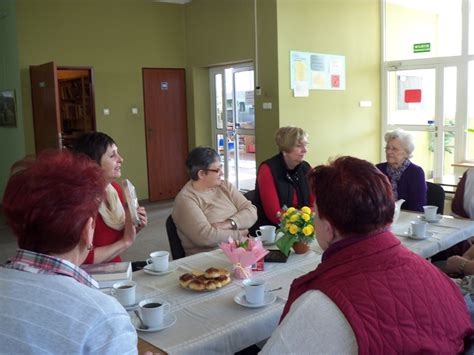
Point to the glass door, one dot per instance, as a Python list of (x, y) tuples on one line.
[(422, 100), (233, 110)]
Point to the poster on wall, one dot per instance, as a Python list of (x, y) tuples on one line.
[(7, 108), (317, 71)]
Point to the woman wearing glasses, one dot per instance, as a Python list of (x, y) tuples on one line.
[(208, 210), (282, 179), (407, 179)]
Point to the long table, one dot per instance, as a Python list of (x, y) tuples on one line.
[(212, 323), (447, 232)]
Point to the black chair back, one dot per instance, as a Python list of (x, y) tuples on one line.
[(177, 250), (435, 196), (250, 195)]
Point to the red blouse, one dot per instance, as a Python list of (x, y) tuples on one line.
[(103, 234)]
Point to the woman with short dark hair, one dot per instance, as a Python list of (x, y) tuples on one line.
[(209, 210), (369, 294), (115, 232), (48, 303)]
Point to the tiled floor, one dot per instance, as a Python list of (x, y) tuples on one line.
[(152, 238)]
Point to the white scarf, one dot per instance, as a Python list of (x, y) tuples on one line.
[(112, 212)]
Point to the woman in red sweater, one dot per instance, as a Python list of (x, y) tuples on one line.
[(114, 231)]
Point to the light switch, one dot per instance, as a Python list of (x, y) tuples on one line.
[(106, 111), (267, 105), (365, 103), (134, 111)]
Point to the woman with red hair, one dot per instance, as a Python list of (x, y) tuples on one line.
[(48, 303), (369, 294)]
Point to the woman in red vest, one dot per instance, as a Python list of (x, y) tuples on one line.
[(114, 230), (370, 294)]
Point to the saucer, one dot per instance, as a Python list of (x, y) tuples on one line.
[(437, 219), (168, 320), (149, 270), (268, 299), (266, 242), (409, 235), (131, 307)]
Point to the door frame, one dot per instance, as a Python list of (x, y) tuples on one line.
[(438, 127), (234, 130)]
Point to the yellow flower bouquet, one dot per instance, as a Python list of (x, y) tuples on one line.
[(295, 226)]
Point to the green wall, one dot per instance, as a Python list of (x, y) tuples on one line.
[(335, 122), (117, 38), (120, 37), (12, 141), (218, 32)]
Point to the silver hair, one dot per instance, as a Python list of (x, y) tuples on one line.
[(405, 137)]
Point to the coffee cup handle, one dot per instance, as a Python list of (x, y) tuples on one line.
[(149, 261), (258, 232), (166, 307)]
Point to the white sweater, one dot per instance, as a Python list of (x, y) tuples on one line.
[(314, 325), (44, 313)]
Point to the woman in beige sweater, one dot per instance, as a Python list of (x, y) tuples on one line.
[(208, 210)]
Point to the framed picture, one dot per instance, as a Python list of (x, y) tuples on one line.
[(7, 108)]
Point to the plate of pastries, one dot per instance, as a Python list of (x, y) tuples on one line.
[(209, 280)]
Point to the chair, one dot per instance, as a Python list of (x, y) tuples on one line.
[(177, 250), (250, 195), (435, 196)]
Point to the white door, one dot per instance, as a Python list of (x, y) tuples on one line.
[(233, 118), (422, 100)]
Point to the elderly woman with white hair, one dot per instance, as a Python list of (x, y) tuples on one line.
[(407, 179)]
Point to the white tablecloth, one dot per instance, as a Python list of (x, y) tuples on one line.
[(212, 323), (446, 233)]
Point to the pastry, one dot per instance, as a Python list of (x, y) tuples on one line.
[(212, 279), (212, 273), (185, 279)]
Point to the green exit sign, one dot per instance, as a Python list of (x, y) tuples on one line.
[(421, 47)]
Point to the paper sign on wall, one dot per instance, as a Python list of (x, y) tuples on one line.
[(319, 71)]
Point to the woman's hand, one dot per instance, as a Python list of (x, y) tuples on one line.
[(454, 262), (222, 225), (129, 232), (143, 217)]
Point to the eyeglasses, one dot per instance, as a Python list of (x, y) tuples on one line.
[(395, 150), (219, 169)]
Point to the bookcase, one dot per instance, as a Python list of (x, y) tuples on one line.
[(75, 108)]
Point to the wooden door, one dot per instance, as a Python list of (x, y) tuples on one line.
[(164, 92), (45, 101)]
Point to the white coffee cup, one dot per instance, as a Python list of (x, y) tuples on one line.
[(430, 212), (159, 260), (266, 233), (254, 290), (152, 311), (124, 292), (418, 229)]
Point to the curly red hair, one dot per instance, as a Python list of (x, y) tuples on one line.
[(47, 201), (353, 195)]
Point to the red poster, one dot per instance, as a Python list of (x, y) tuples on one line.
[(412, 95)]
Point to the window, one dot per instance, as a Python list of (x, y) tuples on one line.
[(428, 79)]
